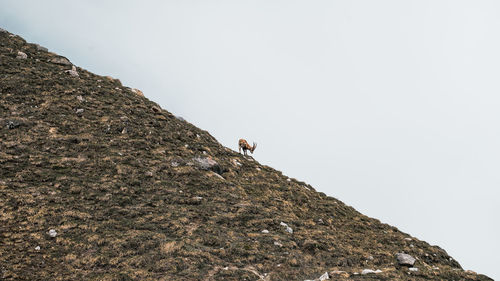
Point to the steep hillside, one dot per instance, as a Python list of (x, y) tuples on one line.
[(99, 183)]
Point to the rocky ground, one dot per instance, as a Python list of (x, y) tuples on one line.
[(99, 183)]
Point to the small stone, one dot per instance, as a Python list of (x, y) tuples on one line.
[(288, 229), (79, 111), (265, 231), (414, 269), (276, 243), (37, 248), (60, 60), (80, 98), (13, 124), (408, 239), (405, 259), (174, 164), (21, 55), (198, 198), (52, 233), (370, 271), (370, 258), (325, 276), (149, 174)]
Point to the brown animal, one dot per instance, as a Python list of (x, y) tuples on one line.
[(243, 144)]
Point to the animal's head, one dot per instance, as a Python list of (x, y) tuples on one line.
[(253, 147)]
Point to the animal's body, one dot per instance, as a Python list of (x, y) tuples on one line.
[(243, 144)]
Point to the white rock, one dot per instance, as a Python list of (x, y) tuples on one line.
[(288, 229), (52, 233), (265, 231), (405, 259), (197, 198), (21, 55), (368, 271), (37, 248), (276, 243), (414, 269), (325, 276), (72, 71)]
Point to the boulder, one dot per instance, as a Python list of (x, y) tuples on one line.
[(72, 71), (60, 60), (207, 163), (405, 259)]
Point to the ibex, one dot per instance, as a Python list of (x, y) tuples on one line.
[(243, 144)]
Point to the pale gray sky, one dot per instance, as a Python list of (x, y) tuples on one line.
[(389, 106)]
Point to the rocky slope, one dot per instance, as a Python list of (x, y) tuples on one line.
[(99, 183)]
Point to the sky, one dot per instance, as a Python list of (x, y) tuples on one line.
[(390, 106)]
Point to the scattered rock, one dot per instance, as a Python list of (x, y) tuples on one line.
[(405, 259), (198, 198), (276, 243), (207, 163), (138, 92), (52, 233), (72, 71), (60, 60), (21, 55), (265, 231), (325, 276), (174, 164), (414, 269), (80, 98), (79, 111), (13, 124), (149, 173), (408, 239), (37, 248), (370, 271), (288, 229)]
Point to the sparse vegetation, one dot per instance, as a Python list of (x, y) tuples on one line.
[(114, 175)]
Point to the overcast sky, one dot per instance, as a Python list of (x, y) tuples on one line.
[(392, 107)]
